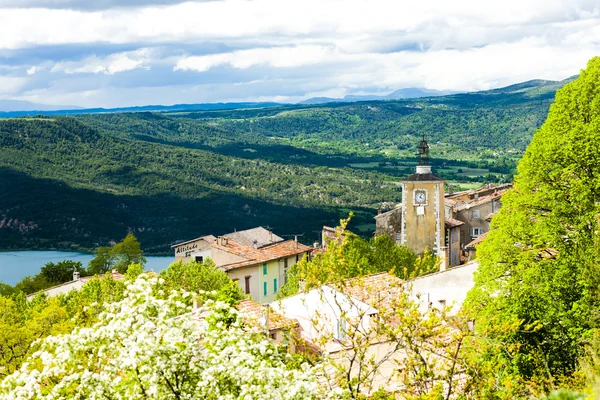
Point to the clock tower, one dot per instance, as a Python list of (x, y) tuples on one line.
[(423, 207)]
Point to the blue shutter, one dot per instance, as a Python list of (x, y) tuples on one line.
[(265, 288), (275, 285)]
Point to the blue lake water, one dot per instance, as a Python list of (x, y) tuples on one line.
[(15, 265)]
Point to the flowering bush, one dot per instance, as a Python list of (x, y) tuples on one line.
[(150, 346)]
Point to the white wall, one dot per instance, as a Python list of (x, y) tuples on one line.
[(451, 285), (318, 312)]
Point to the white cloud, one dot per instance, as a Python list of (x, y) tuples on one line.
[(109, 65), (278, 57), (10, 84), (290, 49), (261, 19)]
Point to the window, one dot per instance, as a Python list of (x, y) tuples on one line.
[(476, 232), (275, 285), (341, 330), (264, 288), (247, 291), (476, 214), (199, 259), (398, 236), (264, 268)]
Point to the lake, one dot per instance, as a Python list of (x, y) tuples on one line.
[(15, 265)]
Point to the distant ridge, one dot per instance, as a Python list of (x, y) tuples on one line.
[(406, 93), (173, 108), (21, 105), (17, 108)]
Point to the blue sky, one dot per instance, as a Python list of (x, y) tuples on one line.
[(113, 53)]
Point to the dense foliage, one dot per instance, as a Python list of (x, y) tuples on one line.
[(164, 352), (23, 321), (349, 256), (537, 293), (85, 181)]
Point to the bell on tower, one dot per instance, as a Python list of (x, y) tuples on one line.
[(423, 166)]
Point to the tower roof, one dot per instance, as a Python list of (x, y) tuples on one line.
[(427, 177)]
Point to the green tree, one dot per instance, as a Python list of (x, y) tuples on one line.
[(204, 276), (126, 252), (120, 256), (348, 256), (538, 267), (60, 272), (103, 262)]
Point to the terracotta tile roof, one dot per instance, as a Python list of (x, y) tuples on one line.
[(453, 223), (395, 209), (374, 290), (476, 241), (490, 216), (262, 236), (252, 313), (329, 232), (449, 202), (484, 191), (262, 254), (467, 204)]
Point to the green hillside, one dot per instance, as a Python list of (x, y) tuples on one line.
[(80, 182)]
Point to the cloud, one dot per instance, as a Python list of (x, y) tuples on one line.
[(109, 65), (278, 57), (112, 53), (10, 85)]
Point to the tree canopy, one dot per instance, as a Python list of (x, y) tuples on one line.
[(537, 289)]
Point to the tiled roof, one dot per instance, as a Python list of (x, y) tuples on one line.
[(115, 275), (395, 209), (208, 238), (252, 312), (262, 236), (449, 202), (373, 289), (467, 204), (490, 216), (329, 232), (476, 241), (453, 223), (262, 254)]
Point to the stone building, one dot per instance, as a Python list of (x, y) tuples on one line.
[(256, 259), (443, 223)]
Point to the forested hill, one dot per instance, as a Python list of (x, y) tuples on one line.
[(83, 181)]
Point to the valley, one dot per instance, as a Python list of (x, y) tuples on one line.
[(78, 182)]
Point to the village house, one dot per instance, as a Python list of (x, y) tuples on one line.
[(256, 259), (76, 284), (327, 316)]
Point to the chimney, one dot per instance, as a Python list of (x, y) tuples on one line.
[(443, 258), (76, 275), (255, 244), (296, 240), (379, 211), (316, 245)]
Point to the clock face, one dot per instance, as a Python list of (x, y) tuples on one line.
[(420, 197)]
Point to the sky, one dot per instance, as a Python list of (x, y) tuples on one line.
[(109, 53)]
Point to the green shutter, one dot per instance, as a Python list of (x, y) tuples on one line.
[(275, 285), (265, 288), (264, 268)]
